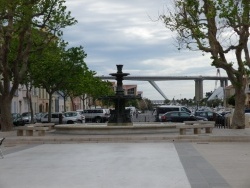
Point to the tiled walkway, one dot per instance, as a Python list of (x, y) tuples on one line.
[(126, 164), (94, 165)]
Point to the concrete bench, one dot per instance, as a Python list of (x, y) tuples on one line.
[(196, 126), (49, 125), (30, 129), (199, 122)]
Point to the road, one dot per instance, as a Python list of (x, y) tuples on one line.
[(144, 117)]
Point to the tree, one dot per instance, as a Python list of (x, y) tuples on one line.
[(231, 100), (216, 27), (145, 104), (166, 101), (19, 20), (208, 94), (64, 68), (149, 104), (132, 102), (99, 90), (76, 82), (85, 84), (214, 103)]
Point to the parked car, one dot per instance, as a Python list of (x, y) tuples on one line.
[(17, 119), (55, 118), (177, 116), (39, 115), (78, 115), (132, 110), (212, 116), (160, 110), (98, 115), (27, 117)]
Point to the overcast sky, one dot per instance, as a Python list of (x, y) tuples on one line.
[(127, 32)]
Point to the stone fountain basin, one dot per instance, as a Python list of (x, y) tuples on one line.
[(103, 129)]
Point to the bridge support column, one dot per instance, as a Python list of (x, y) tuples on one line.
[(198, 89), (223, 83)]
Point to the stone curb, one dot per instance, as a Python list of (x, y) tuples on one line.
[(123, 138)]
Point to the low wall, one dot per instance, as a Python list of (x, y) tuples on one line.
[(247, 120), (229, 121), (102, 129)]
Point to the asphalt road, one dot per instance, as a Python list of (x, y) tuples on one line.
[(144, 117)]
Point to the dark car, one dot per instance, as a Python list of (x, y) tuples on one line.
[(177, 116), (247, 110), (212, 116), (17, 119)]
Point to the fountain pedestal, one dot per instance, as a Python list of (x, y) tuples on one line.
[(120, 116)]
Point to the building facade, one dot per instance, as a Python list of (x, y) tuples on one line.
[(40, 100)]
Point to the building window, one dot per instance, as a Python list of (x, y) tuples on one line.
[(131, 91)]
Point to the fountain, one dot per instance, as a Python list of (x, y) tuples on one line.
[(120, 116), (120, 122)]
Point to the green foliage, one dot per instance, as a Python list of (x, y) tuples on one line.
[(66, 68), (166, 101), (21, 21), (216, 27), (202, 22), (208, 94), (214, 103), (231, 100), (143, 104), (149, 104), (132, 102), (99, 88), (76, 81)]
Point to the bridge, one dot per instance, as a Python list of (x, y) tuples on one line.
[(198, 81)]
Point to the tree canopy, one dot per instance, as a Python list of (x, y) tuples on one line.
[(217, 27), (58, 69), (20, 22)]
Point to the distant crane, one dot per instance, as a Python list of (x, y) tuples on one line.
[(218, 75)]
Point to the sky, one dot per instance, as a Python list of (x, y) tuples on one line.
[(129, 33)]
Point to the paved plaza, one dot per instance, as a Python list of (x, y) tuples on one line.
[(125, 164)]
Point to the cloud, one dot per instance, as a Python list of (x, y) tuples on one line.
[(129, 33)]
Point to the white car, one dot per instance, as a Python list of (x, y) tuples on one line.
[(26, 116), (55, 118), (80, 118), (97, 115)]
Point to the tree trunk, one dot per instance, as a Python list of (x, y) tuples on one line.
[(28, 95), (64, 103), (72, 103), (83, 100), (50, 105), (6, 118), (238, 120), (31, 109)]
